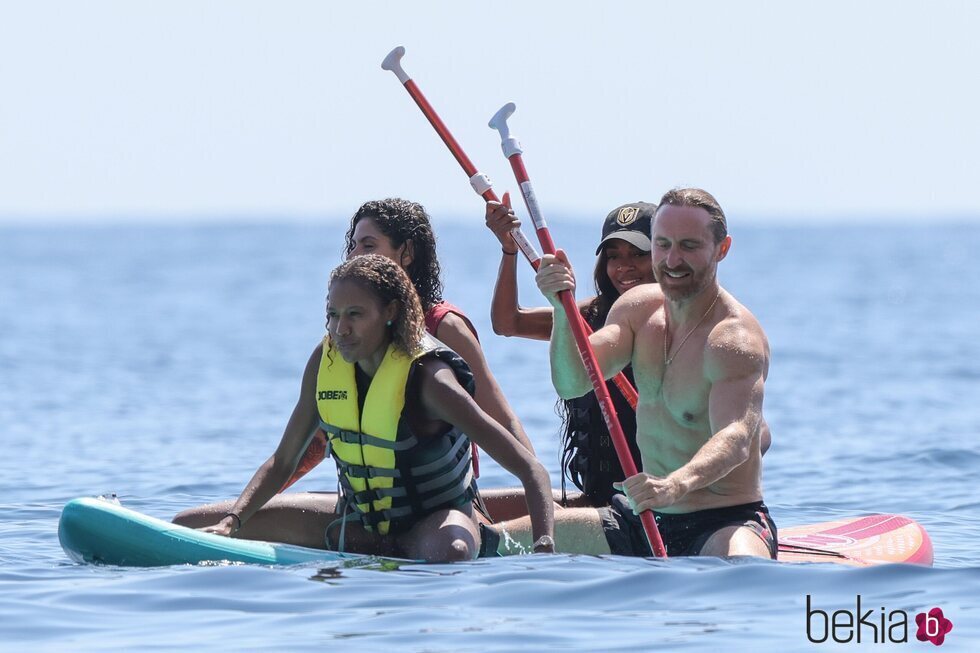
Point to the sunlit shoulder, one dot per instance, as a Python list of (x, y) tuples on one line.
[(737, 346), (647, 298)]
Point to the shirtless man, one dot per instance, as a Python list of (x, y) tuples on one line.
[(700, 360)]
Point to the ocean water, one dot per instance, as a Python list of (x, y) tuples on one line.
[(161, 363)]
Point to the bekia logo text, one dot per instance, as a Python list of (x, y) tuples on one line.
[(873, 625)]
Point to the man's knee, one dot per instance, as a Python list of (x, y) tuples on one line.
[(735, 541)]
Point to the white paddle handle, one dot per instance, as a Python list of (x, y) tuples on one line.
[(393, 62), (508, 143)]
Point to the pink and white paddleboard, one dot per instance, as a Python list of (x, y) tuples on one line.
[(857, 541)]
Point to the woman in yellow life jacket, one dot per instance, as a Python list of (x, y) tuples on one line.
[(396, 409), (401, 230)]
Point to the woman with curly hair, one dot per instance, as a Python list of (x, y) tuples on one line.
[(401, 231), (396, 410)]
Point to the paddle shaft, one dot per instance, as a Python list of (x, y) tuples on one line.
[(578, 325), (480, 183)]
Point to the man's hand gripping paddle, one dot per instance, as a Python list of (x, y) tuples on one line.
[(512, 150), (479, 181)]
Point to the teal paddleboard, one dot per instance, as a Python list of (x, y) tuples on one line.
[(103, 532)]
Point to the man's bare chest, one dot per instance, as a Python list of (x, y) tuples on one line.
[(678, 391)]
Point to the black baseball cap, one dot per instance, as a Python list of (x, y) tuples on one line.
[(629, 222)]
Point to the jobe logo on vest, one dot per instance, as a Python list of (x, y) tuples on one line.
[(877, 626), (327, 395)]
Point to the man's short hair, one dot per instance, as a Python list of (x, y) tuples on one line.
[(700, 199)]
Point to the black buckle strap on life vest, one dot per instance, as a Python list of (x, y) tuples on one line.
[(447, 458), (412, 500), (346, 489), (361, 439), (364, 471), (353, 500), (437, 473), (463, 488), (377, 494), (447, 477), (371, 518), (450, 489)]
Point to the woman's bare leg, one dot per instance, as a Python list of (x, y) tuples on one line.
[(296, 518)]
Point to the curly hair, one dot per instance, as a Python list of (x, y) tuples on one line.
[(388, 282), (400, 221)]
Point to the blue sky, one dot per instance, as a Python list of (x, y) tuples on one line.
[(143, 110)]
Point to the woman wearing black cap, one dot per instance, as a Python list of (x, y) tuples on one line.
[(623, 262)]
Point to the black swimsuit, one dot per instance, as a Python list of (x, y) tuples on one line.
[(684, 534)]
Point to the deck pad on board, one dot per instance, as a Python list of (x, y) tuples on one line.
[(859, 541)]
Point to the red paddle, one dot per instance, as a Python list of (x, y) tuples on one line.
[(512, 150), (479, 181)]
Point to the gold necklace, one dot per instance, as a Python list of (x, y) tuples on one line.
[(668, 361)]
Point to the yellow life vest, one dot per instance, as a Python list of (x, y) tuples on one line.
[(388, 475)]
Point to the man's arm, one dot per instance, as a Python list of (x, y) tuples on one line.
[(612, 344), (734, 412)]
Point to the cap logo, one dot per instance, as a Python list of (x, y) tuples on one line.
[(627, 215)]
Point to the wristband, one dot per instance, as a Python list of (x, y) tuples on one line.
[(506, 253), (544, 542), (237, 518)]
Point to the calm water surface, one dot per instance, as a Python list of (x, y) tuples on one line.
[(161, 363)]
